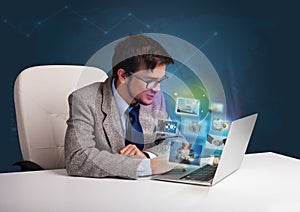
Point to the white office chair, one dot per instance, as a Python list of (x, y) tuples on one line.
[(41, 103)]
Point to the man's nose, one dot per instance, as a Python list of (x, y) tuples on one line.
[(156, 88)]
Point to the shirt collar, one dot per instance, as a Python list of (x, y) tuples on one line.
[(120, 102)]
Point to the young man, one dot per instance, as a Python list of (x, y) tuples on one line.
[(111, 129)]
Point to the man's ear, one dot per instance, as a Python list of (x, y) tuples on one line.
[(122, 75)]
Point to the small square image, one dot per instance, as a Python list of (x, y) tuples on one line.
[(186, 106), (185, 152), (166, 126), (214, 141), (219, 124), (194, 127)]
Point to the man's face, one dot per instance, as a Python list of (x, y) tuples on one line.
[(137, 83)]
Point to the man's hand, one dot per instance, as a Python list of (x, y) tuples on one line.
[(131, 149), (161, 165)]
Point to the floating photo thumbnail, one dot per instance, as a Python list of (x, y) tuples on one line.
[(193, 127), (220, 125), (186, 106), (215, 141), (185, 153), (166, 126)]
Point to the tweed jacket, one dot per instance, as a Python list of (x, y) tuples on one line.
[(94, 135)]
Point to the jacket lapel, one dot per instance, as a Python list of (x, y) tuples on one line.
[(111, 122)]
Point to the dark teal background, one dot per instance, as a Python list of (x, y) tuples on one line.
[(255, 52)]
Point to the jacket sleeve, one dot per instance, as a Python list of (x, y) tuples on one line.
[(82, 158)]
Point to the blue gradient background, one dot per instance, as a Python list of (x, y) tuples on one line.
[(255, 53)]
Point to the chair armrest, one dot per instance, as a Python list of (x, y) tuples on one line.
[(28, 166)]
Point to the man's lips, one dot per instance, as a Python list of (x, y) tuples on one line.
[(150, 96)]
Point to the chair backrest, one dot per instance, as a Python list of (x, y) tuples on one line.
[(41, 103)]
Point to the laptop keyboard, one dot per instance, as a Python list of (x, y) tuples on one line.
[(204, 173)]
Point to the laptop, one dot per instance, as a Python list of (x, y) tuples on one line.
[(231, 158)]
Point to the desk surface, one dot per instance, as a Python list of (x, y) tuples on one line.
[(265, 182)]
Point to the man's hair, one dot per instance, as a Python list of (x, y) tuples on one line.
[(138, 52)]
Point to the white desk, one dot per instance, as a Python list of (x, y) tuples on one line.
[(265, 182)]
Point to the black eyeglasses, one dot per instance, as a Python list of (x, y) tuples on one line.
[(151, 84)]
